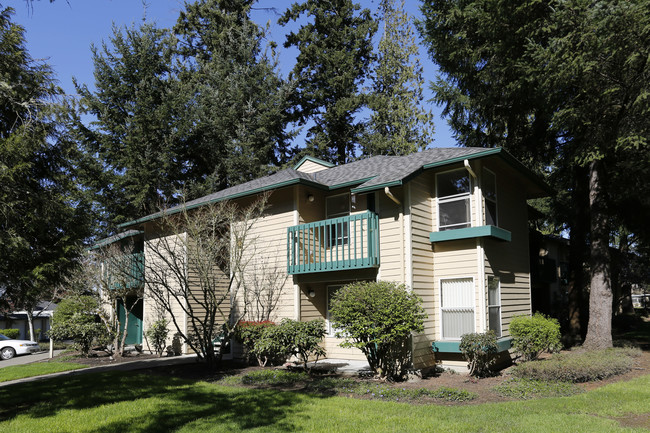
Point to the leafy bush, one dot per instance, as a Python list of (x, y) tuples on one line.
[(10, 333), (73, 320), (290, 338), (248, 333), (157, 334), (480, 350), (378, 318), (535, 334), (528, 388), (578, 366)]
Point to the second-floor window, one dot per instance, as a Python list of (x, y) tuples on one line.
[(337, 206), (454, 200)]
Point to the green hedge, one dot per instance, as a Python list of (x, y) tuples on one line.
[(11, 333), (579, 366)]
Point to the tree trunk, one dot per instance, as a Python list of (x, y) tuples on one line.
[(30, 322), (599, 330), (577, 248)]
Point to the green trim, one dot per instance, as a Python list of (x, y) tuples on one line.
[(376, 187), (485, 153), (503, 344), (352, 182), (470, 233), (116, 238), (314, 160)]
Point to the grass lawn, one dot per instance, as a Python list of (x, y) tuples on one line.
[(129, 402), (36, 369)]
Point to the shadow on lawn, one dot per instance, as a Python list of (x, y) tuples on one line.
[(167, 403)]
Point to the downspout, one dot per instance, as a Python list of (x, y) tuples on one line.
[(477, 194), (391, 196), (480, 252)]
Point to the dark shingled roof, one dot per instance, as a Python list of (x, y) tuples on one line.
[(363, 175)]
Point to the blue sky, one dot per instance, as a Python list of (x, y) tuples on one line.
[(62, 32)]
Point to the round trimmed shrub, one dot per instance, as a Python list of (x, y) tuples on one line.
[(378, 318), (535, 334)]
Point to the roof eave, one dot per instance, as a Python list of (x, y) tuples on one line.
[(242, 194)]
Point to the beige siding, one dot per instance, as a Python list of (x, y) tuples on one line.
[(311, 167), (509, 260), (205, 278), (266, 253), (391, 238), (168, 246), (454, 259), (421, 200), (310, 211)]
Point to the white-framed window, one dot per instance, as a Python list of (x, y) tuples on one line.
[(453, 189), (457, 307), (489, 188), (331, 290), (494, 304), (337, 206)]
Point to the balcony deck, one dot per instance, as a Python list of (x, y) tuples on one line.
[(345, 243)]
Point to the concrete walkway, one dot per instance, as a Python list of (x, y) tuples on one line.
[(27, 359), (121, 366), (342, 366)]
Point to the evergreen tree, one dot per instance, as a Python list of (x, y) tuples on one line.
[(191, 110), (133, 139), (334, 60), (565, 83), (42, 220), (398, 125), (237, 105)]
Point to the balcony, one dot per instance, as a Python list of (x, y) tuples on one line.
[(337, 244), (125, 271)]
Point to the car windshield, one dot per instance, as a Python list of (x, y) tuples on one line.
[(2, 337)]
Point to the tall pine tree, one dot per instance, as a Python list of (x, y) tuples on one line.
[(565, 83), (334, 61), (237, 104), (399, 124), (133, 136), (42, 218)]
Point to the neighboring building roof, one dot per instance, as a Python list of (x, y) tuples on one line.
[(364, 175), (118, 237)]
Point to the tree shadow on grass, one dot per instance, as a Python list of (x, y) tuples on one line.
[(166, 403)]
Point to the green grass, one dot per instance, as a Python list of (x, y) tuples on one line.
[(14, 372), (128, 402), (329, 386)]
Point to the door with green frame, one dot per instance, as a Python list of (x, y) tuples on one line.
[(134, 327)]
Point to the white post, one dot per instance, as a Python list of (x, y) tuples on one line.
[(51, 341)]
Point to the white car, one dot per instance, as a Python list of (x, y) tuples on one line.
[(10, 347)]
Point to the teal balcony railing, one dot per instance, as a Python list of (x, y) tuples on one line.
[(350, 242), (125, 271)]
